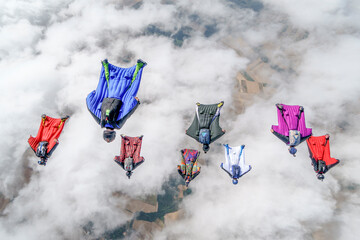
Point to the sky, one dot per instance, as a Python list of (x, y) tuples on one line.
[(50, 59)]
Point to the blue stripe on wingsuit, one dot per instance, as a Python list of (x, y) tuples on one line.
[(242, 147), (241, 152), (227, 149)]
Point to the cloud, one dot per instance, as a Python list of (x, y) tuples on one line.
[(51, 61)]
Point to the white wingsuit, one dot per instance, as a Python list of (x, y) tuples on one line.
[(235, 162)]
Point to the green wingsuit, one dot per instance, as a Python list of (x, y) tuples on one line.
[(205, 127)]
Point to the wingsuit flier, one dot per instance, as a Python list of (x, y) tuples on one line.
[(188, 168), (46, 140), (319, 150), (114, 99), (130, 158), (235, 162), (291, 129), (205, 127)]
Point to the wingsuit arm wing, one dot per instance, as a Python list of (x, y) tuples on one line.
[(139, 162), (283, 138), (118, 161), (131, 105), (195, 170), (227, 171), (53, 149), (330, 162), (335, 162), (305, 132), (180, 171), (193, 130), (304, 138)]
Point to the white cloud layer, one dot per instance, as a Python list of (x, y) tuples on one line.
[(50, 57)]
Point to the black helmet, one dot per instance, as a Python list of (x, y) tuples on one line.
[(206, 147), (320, 177), (109, 135)]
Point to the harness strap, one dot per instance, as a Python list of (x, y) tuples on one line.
[(217, 111)]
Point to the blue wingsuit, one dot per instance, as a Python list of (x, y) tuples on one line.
[(113, 101)]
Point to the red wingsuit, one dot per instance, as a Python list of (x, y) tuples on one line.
[(319, 149), (49, 131), (130, 149)]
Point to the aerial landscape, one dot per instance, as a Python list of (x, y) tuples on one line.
[(248, 54)]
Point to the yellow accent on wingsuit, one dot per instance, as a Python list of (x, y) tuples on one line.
[(62, 120), (43, 121)]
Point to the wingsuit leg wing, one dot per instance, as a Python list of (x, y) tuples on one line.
[(139, 162), (180, 171), (117, 159), (193, 130), (222, 167)]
